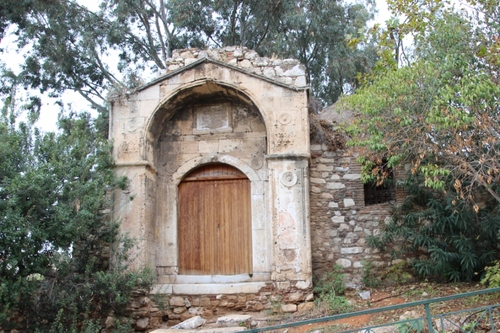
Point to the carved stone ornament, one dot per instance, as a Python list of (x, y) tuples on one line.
[(283, 139), (256, 163), (285, 118), (132, 125), (289, 179)]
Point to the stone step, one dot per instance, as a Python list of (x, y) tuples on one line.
[(234, 320)]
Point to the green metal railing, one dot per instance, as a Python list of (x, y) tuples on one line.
[(413, 324)]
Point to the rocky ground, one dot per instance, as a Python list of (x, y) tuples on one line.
[(372, 298)]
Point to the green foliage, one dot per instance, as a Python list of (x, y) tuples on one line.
[(71, 45), (369, 279), (330, 290), (397, 274), (334, 304), (410, 327), (438, 115), (331, 282), (434, 116), (457, 241), (56, 230), (491, 276)]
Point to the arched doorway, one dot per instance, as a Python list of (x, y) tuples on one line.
[(214, 222)]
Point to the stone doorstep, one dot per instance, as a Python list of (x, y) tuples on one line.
[(203, 330)]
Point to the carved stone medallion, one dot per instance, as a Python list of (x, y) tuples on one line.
[(289, 179)]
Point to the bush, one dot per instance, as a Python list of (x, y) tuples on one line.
[(449, 237), (330, 290), (491, 276), (55, 230)]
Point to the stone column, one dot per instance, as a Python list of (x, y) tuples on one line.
[(134, 209), (289, 206)]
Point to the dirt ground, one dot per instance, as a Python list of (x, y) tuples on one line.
[(387, 296)]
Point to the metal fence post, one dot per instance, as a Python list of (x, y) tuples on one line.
[(429, 317)]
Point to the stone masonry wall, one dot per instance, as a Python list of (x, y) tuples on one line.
[(340, 221), (148, 312)]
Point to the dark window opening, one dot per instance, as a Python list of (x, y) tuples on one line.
[(380, 193)]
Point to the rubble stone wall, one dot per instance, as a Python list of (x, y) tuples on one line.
[(340, 221), (287, 71), (149, 312)]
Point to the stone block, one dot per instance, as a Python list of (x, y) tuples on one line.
[(234, 321), (205, 301), (305, 306), (269, 72), (338, 219), (238, 53), (349, 203), (289, 308), (358, 264), (246, 64), (300, 81), (141, 324), (179, 310), (351, 250), (344, 262), (190, 324), (295, 297), (176, 301), (352, 176), (261, 62), (335, 186), (324, 167), (251, 55)]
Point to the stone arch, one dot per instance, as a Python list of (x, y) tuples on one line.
[(192, 91), (178, 111), (215, 158)]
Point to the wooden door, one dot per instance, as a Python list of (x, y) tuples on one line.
[(214, 226)]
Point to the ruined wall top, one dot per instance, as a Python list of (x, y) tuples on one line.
[(287, 71)]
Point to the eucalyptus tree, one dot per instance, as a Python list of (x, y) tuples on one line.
[(317, 32), (119, 44)]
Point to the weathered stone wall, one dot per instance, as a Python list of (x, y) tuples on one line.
[(340, 221)]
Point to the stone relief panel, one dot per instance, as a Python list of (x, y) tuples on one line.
[(212, 119)]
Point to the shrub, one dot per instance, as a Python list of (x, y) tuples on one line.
[(449, 237), (491, 276), (330, 290), (55, 230)]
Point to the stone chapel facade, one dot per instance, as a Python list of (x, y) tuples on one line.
[(229, 202)]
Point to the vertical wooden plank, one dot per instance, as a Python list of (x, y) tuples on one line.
[(215, 222)]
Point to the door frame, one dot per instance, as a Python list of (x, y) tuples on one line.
[(262, 234)]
